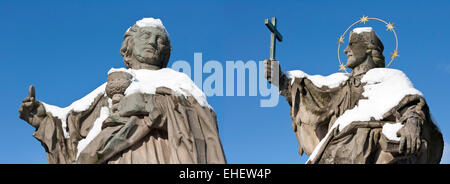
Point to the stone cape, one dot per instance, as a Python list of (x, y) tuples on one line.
[(316, 108), (162, 127)]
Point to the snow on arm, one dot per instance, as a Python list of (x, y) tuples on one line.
[(95, 130), (390, 130), (77, 106), (331, 81)]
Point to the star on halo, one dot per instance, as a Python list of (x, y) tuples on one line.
[(390, 26), (363, 19), (395, 54), (341, 40), (342, 67)]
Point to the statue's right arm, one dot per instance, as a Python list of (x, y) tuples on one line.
[(275, 76), (32, 110)]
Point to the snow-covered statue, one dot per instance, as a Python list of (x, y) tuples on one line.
[(143, 114), (372, 115)]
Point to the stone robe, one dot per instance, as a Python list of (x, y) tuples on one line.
[(314, 111), (155, 128)]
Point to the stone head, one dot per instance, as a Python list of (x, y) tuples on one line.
[(146, 45), (364, 44)]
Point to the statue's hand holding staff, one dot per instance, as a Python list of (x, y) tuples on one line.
[(273, 73)]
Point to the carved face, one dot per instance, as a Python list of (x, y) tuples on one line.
[(356, 51), (150, 45)]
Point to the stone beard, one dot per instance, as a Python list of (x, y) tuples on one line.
[(318, 112), (154, 124)]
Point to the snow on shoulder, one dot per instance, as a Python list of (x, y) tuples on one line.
[(384, 89), (146, 81), (331, 81)]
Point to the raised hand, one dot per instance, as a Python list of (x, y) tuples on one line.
[(31, 109), (273, 73)]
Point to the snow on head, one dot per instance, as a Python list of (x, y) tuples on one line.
[(359, 30), (151, 22), (146, 81), (331, 81), (384, 89)]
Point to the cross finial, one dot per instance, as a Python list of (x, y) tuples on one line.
[(274, 35)]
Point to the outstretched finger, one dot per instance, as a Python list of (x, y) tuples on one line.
[(31, 91)]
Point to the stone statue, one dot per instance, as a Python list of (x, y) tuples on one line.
[(144, 114), (372, 115)]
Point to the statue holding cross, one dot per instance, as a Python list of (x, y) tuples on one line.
[(274, 35), (337, 119), (271, 65)]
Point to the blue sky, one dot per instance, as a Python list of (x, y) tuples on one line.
[(65, 50)]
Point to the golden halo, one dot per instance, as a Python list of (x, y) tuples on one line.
[(364, 19)]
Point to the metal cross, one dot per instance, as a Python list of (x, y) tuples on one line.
[(274, 35)]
